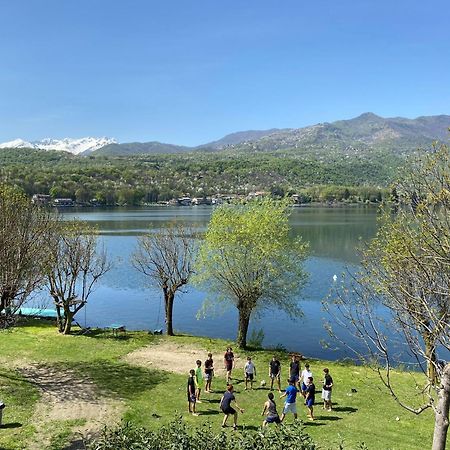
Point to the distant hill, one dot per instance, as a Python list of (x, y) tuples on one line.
[(359, 135), (138, 148), (239, 138)]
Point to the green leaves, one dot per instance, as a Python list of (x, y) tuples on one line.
[(249, 259)]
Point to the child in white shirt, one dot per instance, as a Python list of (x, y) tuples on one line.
[(249, 372), (306, 373)]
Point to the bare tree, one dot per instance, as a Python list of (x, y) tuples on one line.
[(77, 263), (24, 232), (406, 269), (166, 257)]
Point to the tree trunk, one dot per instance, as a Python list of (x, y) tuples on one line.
[(168, 300), (244, 320), (5, 310), (6, 300), (2, 303), (441, 411), (430, 353), (68, 316), (59, 318)]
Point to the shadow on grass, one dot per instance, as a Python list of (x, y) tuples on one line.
[(330, 418), (209, 412), (348, 409), (25, 322), (119, 379), (91, 332), (311, 423), (11, 425), (76, 444), (213, 400), (12, 376), (102, 333)]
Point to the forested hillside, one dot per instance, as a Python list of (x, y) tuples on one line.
[(349, 160), (150, 178), (361, 135)]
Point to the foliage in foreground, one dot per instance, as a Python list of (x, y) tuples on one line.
[(176, 435)]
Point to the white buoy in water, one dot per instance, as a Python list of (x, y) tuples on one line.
[(335, 278)]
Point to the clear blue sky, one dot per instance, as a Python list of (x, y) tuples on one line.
[(188, 72)]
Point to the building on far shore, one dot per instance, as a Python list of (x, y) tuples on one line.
[(201, 201), (41, 199), (63, 202)]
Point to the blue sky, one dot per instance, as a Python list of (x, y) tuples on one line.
[(188, 72)]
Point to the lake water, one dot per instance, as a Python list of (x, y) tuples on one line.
[(123, 295)]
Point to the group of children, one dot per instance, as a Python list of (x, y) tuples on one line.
[(299, 382)]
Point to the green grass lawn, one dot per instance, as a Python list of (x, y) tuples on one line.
[(152, 397)]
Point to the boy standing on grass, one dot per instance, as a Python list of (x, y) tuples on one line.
[(306, 373), (326, 389), (228, 360), (198, 380), (249, 372), (227, 409), (294, 369), (291, 396), (191, 392), (275, 372), (209, 372), (310, 397)]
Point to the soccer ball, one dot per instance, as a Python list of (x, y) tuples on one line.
[(262, 383)]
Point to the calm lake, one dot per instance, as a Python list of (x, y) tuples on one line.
[(123, 295)]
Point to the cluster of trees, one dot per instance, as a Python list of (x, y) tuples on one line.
[(345, 194), (246, 257), (138, 179), (40, 251)]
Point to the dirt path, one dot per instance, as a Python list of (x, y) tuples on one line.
[(178, 358), (66, 396)]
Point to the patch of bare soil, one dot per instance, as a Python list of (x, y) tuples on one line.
[(65, 396), (178, 358)]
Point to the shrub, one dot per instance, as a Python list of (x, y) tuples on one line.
[(178, 436)]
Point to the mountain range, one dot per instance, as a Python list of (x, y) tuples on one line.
[(360, 134), (75, 146)]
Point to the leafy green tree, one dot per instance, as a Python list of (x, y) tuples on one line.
[(60, 192), (82, 195), (249, 259)]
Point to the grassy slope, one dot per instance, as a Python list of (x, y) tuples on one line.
[(153, 397)]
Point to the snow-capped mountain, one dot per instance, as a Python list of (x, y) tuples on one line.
[(75, 146)]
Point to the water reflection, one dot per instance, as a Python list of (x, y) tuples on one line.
[(124, 296)]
